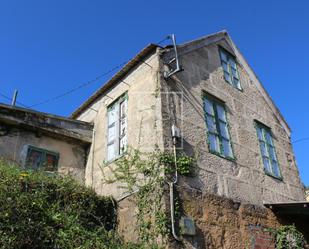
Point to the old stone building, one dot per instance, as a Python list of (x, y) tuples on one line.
[(221, 108), (36, 140), (225, 116), (227, 122)]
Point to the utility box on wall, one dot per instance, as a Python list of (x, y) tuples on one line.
[(187, 226)]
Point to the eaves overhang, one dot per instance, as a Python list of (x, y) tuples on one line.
[(44, 123)]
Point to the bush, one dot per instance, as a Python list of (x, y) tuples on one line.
[(48, 211)]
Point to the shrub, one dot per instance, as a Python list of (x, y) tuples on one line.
[(48, 211)]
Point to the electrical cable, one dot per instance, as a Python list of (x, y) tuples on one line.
[(10, 99), (87, 83)]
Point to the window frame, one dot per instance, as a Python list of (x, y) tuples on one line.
[(118, 101), (230, 56), (44, 154), (263, 127), (215, 101)]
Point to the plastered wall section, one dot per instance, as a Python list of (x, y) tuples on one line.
[(72, 157), (144, 123), (243, 179)]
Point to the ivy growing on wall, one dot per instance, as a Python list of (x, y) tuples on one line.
[(145, 175)]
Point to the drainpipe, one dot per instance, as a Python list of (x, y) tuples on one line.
[(175, 135), (92, 154)]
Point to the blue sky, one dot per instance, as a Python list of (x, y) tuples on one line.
[(50, 47)]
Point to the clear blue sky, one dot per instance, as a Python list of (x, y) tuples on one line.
[(49, 47)]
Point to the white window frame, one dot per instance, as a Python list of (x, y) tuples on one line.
[(120, 129)]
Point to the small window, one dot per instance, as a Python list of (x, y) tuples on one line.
[(217, 128), (117, 128), (230, 70), (38, 158), (268, 151)]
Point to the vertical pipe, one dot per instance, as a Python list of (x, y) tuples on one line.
[(172, 208)]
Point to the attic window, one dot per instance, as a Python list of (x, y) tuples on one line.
[(230, 70), (268, 151), (38, 158), (117, 128)]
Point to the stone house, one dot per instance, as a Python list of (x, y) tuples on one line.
[(225, 116), (36, 140), (227, 121), (223, 113)]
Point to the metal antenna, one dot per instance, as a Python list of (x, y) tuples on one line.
[(176, 59), (14, 98)]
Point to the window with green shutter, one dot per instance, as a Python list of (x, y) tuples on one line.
[(38, 158), (268, 151), (230, 70), (217, 128)]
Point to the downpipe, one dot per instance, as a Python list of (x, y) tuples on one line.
[(171, 185)]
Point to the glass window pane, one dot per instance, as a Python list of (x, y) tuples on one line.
[(236, 83), (214, 143), (260, 133), (225, 66), (123, 144), (268, 137), (34, 159), (232, 63), (211, 124), (275, 168), (221, 112), (227, 149), (111, 151), (227, 77), (208, 106), (123, 109), (223, 56), (272, 153), (235, 73), (112, 114), (266, 164), (263, 149), (51, 162), (224, 130), (123, 127), (112, 133)]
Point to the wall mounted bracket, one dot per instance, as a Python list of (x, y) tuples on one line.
[(175, 59)]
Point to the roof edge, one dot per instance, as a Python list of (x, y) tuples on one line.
[(110, 83)]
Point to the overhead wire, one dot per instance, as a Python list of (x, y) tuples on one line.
[(10, 99), (300, 140), (86, 83)]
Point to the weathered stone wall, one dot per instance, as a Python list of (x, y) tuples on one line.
[(144, 122), (224, 223), (72, 156), (243, 179)]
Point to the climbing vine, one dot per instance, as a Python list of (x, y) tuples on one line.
[(145, 175)]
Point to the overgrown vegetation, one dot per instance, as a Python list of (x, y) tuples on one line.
[(145, 174), (48, 211), (289, 237)]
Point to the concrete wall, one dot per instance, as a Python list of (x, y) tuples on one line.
[(72, 156), (243, 179), (144, 122)]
